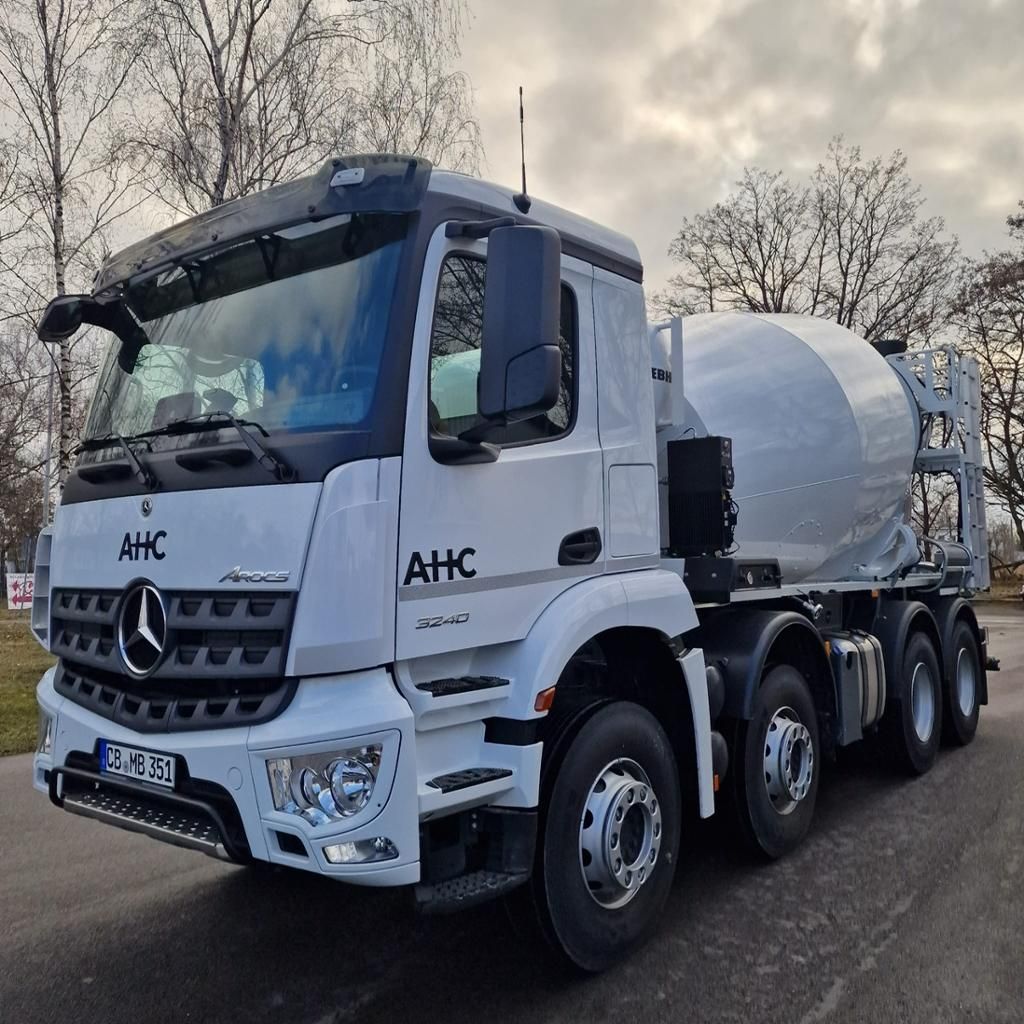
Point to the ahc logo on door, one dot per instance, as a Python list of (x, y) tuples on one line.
[(430, 570)]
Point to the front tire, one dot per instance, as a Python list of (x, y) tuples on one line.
[(961, 710), (609, 838), (775, 781), (912, 724)]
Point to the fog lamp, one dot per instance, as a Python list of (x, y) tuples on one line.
[(325, 787), (362, 851), (44, 740)]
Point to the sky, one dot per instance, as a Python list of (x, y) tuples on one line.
[(641, 112)]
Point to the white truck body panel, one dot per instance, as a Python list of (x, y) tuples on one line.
[(206, 534)]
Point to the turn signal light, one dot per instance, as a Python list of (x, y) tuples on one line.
[(544, 699)]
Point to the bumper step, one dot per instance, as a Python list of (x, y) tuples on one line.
[(468, 777), (466, 891), (178, 827), (463, 684)]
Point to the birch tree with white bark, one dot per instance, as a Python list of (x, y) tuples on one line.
[(64, 66)]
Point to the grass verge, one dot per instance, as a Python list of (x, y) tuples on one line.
[(22, 662)]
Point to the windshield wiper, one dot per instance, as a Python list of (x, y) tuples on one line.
[(215, 421), (142, 473)]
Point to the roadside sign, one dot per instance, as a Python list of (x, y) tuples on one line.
[(19, 590)]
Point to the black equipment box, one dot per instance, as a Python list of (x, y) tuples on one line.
[(701, 513)]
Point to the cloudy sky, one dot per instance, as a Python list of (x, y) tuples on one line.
[(639, 112)]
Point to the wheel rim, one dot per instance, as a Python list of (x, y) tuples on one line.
[(966, 684), (788, 760), (922, 700), (620, 834)]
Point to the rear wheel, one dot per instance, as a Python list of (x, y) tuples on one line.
[(609, 838), (775, 783), (960, 714), (913, 720)]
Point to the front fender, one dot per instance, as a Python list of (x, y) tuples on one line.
[(651, 599)]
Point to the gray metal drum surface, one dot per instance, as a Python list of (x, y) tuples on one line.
[(824, 439)]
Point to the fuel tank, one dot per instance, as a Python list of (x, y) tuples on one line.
[(824, 439)]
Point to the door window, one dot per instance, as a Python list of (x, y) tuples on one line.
[(455, 359)]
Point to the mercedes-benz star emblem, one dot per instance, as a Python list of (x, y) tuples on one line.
[(147, 506), (142, 629)]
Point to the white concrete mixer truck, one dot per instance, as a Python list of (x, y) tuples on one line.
[(400, 549)]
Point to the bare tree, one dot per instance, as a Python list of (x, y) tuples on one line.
[(753, 251), (23, 373), (250, 92), (63, 65), (851, 245), (414, 99), (989, 319), (886, 270)]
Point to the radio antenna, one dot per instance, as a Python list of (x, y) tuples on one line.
[(521, 199)]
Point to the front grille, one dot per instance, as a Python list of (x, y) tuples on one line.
[(174, 706), (209, 635), (223, 661)]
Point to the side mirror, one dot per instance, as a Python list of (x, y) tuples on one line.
[(520, 360), (62, 317)]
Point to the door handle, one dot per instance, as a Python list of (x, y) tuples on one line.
[(581, 547)]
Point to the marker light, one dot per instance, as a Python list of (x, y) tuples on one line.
[(362, 851), (325, 787), (44, 740)]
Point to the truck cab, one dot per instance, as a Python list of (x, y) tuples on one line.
[(360, 569)]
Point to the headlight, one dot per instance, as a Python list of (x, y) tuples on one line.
[(44, 741), (325, 787)]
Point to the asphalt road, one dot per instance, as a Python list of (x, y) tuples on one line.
[(906, 903)]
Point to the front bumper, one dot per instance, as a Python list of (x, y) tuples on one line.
[(328, 712)]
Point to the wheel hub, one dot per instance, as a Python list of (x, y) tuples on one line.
[(788, 760), (922, 701), (965, 683), (620, 833)]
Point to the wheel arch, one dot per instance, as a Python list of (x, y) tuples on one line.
[(746, 642), (644, 666), (894, 621), (638, 617)]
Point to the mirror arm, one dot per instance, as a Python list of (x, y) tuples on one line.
[(477, 228), (459, 451)]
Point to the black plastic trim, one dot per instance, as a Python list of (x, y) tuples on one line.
[(147, 707), (512, 732), (462, 684)]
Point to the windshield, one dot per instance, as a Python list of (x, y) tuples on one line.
[(286, 330)]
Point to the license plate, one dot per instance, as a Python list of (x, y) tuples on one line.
[(133, 763)]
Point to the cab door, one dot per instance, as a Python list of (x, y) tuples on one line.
[(484, 547)]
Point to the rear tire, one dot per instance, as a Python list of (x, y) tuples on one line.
[(912, 724), (775, 780), (961, 710), (608, 839)]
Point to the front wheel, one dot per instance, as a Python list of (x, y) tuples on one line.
[(609, 838), (775, 782)]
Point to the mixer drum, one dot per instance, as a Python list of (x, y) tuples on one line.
[(824, 439)]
